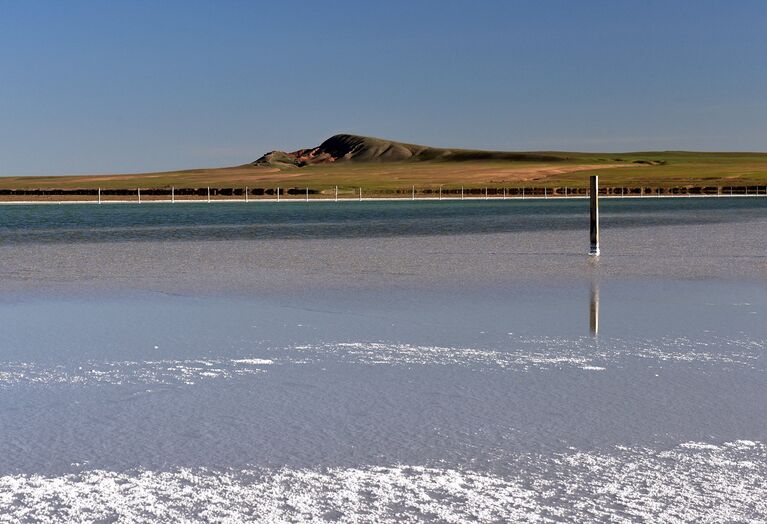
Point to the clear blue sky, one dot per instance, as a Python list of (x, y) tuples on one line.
[(96, 86)]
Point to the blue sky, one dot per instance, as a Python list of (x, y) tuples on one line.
[(94, 87)]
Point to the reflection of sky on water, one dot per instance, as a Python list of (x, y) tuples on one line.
[(406, 371)]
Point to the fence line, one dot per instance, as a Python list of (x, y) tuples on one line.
[(337, 194)]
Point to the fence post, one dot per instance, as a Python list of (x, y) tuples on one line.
[(594, 201)]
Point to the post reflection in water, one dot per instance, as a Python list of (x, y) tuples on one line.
[(594, 309)]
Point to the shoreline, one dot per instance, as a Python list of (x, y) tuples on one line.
[(367, 199)]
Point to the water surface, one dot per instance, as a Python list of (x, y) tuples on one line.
[(381, 361)]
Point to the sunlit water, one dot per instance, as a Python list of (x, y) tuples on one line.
[(367, 362)]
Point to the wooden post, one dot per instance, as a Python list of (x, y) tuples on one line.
[(594, 200)]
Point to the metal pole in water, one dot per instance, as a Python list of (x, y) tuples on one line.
[(278, 194), (440, 191), (307, 194), (461, 192), (208, 195), (336, 193), (99, 195), (523, 193), (485, 193), (504, 193), (545, 193), (172, 195), (360, 194), (594, 201), (246, 193), (413, 192), (138, 190)]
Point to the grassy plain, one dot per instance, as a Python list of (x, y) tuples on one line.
[(643, 169)]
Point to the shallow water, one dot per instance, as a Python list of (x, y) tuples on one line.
[(367, 219), (384, 361)]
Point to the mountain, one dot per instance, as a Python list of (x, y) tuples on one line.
[(355, 148)]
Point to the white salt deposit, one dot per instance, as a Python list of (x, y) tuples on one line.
[(693, 482)]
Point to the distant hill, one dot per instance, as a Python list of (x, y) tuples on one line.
[(355, 148)]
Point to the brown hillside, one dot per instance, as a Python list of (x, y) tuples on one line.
[(355, 148)]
